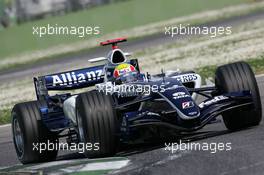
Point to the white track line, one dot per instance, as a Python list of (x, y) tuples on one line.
[(104, 165), (3, 126), (260, 75)]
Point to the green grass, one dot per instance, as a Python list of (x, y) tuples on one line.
[(256, 64), (1, 7), (5, 116), (207, 71), (114, 17)]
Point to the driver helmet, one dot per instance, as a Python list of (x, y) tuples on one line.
[(125, 73)]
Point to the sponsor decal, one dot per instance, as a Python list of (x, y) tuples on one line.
[(178, 95), (214, 100), (73, 78), (187, 104), (153, 114), (186, 78), (192, 113)]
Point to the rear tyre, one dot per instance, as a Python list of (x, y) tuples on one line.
[(97, 124), (28, 130), (239, 77)]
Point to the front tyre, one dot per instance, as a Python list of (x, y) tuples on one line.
[(29, 131), (97, 124), (239, 77)]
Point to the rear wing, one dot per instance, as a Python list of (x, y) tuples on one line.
[(74, 79)]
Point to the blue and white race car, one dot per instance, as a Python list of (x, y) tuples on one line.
[(122, 104)]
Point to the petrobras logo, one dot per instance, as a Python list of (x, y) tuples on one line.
[(178, 95), (187, 104), (70, 78)]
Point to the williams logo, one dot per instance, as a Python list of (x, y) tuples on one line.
[(75, 78)]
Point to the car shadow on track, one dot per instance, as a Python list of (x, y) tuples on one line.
[(149, 146), (184, 138), (156, 143)]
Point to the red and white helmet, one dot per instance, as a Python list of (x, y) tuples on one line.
[(125, 73)]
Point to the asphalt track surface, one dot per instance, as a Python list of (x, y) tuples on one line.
[(245, 157)]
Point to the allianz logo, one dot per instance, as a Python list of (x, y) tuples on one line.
[(73, 78)]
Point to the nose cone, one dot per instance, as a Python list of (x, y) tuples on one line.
[(180, 99)]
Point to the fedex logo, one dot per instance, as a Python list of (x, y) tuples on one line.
[(212, 101)]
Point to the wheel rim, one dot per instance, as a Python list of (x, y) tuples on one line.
[(19, 142)]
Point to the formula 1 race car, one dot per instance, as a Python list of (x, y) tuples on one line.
[(125, 105)]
